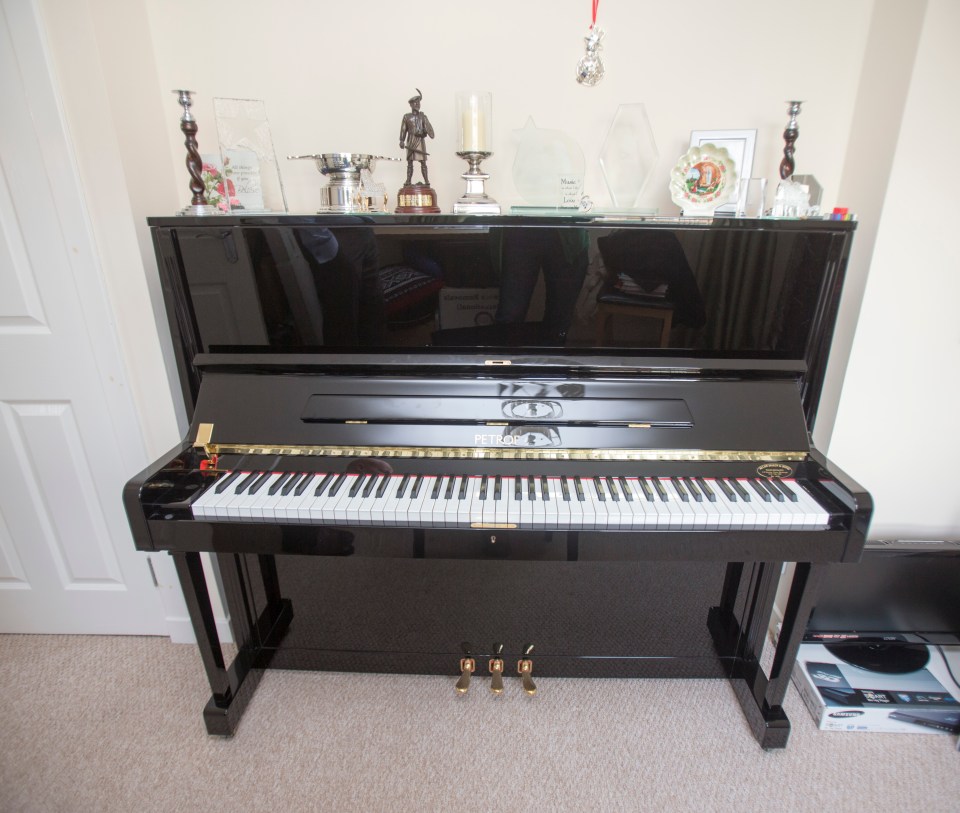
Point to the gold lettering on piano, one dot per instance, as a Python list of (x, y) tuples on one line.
[(204, 433), (508, 453), (493, 526)]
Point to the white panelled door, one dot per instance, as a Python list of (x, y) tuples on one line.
[(69, 437)]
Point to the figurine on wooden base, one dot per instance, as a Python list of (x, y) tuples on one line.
[(416, 198)]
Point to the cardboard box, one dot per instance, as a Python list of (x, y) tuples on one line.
[(842, 697), (468, 307)]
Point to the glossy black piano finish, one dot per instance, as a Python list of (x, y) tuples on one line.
[(521, 406)]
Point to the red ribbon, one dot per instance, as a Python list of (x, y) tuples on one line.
[(595, 4)]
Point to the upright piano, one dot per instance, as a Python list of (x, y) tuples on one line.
[(501, 448)]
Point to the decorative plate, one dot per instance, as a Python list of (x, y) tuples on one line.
[(703, 179)]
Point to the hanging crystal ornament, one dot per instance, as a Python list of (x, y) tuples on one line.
[(590, 67)]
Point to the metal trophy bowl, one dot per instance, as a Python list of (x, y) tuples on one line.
[(350, 186)]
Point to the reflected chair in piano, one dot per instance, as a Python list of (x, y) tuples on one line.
[(647, 277), (612, 302)]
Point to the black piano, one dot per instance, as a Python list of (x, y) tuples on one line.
[(501, 448)]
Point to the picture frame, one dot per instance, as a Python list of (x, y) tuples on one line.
[(741, 144)]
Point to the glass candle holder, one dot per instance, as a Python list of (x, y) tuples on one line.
[(474, 144), (475, 118)]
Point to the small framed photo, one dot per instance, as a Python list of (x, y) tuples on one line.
[(741, 145)]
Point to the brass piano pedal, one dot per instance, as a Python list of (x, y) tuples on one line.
[(495, 666), (467, 667), (525, 668)]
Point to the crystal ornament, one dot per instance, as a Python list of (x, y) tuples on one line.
[(590, 67), (628, 155)]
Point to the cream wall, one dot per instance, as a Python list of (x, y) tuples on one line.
[(896, 425), (336, 77)]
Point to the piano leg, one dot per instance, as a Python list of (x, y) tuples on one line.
[(256, 635), (740, 643), (804, 589)]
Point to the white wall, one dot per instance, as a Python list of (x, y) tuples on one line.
[(896, 427), (337, 77)]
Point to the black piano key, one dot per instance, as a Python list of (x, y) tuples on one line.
[(565, 489), (325, 481), (355, 488), (760, 488), (368, 488), (646, 488), (730, 495), (614, 491), (787, 491), (741, 491), (451, 484), (483, 487), (464, 482), (301, 484), (544, 488), (517, 489), (255, 487), (578, 485), (708, 492), (625, 487), (384, 484), (437, 484), (681, 489), (335, 487), (661, 491), (532, 489), (253, 475), (278, 483), (404, 482), (497, 483), (693, 488), (297, 481), (601, 491), (223, 482), (415, 491)]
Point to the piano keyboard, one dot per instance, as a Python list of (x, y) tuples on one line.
[(494, 501)]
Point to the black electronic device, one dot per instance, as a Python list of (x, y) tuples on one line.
[(881, 612)]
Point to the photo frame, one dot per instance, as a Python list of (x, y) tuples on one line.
[(741, 144)]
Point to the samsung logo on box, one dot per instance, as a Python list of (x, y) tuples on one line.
[(846, 714)]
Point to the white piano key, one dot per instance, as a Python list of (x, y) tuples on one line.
[(203, 506), (261, 507), (814, 514)]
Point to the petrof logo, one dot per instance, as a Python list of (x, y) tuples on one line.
[(521, 436), (847, 714)]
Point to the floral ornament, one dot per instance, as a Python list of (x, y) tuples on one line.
[(219, 189)]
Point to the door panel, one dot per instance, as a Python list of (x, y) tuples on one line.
[(67, 422)]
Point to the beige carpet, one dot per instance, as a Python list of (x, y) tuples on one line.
[(114, 724)]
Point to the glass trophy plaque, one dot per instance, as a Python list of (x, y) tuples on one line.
[(248, 176)]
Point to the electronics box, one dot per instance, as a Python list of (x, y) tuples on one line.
[(844, 697)]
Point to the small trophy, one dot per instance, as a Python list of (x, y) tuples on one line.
[(475, 120), (188, 126), (415, 129)]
